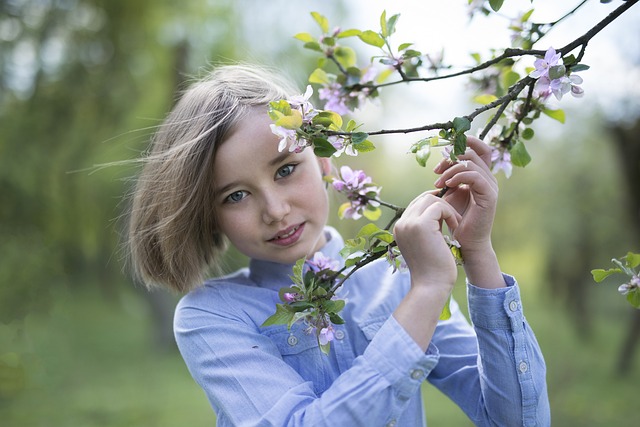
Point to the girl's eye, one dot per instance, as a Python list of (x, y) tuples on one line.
[(236, 196), (285, 171)]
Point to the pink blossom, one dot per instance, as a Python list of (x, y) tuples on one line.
[(501, 160), (321, 262), (559, 87), (290, 296), (286, 135), (543, 65), (326, 335), (338, 143), (359, 189), (339, 100)]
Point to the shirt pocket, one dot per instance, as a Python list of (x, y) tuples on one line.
[(300, 351), (371, 326)]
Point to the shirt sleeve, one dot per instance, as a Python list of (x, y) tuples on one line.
[(494, 371), (249, 384)]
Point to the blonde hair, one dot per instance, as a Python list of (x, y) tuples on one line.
[(173, 235)]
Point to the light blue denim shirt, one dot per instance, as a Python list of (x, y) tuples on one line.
[(272, 376)]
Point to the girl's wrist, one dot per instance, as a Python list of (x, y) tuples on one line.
[(483, 269)]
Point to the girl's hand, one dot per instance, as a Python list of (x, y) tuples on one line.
[(473, 192), (418, 234)]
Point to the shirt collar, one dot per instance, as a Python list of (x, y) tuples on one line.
[(273, 275)]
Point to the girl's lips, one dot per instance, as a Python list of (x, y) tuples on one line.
[(288, 236)]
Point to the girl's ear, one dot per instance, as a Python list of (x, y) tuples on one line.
[(325, 165)]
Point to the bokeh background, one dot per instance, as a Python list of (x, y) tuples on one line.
[(84, 83)]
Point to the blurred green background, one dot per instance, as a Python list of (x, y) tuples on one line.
[(84, 82)]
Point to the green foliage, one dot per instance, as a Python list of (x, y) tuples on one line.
[(626, 265)]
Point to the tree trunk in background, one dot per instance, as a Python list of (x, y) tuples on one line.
[(627, 139)]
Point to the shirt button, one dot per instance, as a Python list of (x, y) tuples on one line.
[(392, 423), (292, 340), (523, 367), (339, 334), (417, 374), (513, 306)]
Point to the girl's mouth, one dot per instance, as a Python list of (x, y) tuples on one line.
[(288, 236)]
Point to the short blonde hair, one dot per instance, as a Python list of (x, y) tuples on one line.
[(173, 234)]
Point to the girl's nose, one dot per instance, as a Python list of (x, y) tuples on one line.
[(276, 208)]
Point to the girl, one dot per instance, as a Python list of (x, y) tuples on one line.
[(215, 175)]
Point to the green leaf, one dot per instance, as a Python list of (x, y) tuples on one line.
[(294, 121), (528, 133), (336, 319), (422, 156), (632, 259), (446, 310), (328, 118), (403, 46), (323, 148), (297, 269), (348, 33), (359, 137), (526, 16), (334, 305), (461, 124), (364, 146), (305, 37), (373, 214), (325, 348), (351, 125), (476, 57), (519, 155), (383, 24), (460, 144), (634, 298), (371, 38), (322, 21), (485, 99), (391, 24), (555, 114), (282, 316), (600, 274), (579, 67), (313, 46), (319, 76), (496, 4), (345, 56)]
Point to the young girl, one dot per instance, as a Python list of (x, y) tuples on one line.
[(215, 175)]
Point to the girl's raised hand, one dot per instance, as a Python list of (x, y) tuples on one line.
[(473, 192), (418, 234)]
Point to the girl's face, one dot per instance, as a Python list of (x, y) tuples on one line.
[(271, 205)]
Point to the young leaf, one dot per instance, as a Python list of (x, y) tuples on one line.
[(460, 144), (364, 146), (519, 155), (305, 37), (345, 56), (322, 21), (600, 274), (323, 148), (496, 4), (555, 114), (446, 310), (634, 298), (383, 24), (319, 76), (485, 99), (282, 316), (348, 33), (632, 259), (372, 214), (371, 38), (461, 124)]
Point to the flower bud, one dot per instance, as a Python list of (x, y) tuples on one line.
[(557, 71)]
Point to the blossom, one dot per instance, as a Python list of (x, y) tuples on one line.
[(359, 189), (290, 296), (285, 135), (543, 65), (302, 104), (339, 144), (633, 285), (326, 335), (321, 262), (501, 160), (559, 87), (396, 259), (341, 100)]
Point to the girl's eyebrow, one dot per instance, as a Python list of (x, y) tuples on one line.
[(280, 158)]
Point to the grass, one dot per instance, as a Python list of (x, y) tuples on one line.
[(91, 362)]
